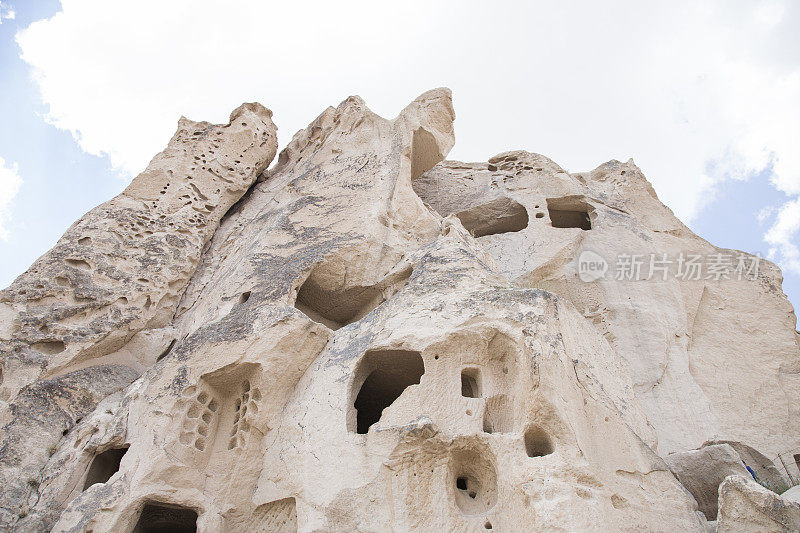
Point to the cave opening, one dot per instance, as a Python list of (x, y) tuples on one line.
[(501, 215), (103, 466), (388, 374), (166, 518), (323, 298), (537, 443), (470, 383), (569, 213)]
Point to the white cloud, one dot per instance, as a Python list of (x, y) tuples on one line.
[(6, 12), (768, 14), (782, 237), (10, 183), (118, 78), (697, 92), (765, 213)]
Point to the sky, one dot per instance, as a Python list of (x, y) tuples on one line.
[(703, 95)]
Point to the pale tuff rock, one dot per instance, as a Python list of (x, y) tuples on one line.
[(703, 368), (701, 472), (760, 467), (70, 321), (746, 506), (792, 495), (374, 339)]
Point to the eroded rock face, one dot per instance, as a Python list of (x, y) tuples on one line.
[(363, 338), (746, 506), (701, 367), (702, 471), (95, 311)]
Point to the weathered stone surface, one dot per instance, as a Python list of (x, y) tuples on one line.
[(792, 495), (703, 367), (69, 324), (327, 352), (768, 473), (702, 471), (746, 506)]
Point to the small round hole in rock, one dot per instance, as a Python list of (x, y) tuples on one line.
[(244, 297)]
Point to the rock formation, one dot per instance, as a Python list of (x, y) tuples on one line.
[(747, 506), (365, 337)]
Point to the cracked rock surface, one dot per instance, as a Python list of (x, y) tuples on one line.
[(367, 337)]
